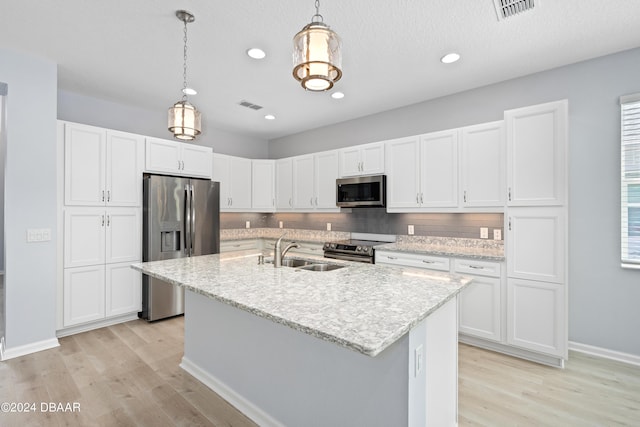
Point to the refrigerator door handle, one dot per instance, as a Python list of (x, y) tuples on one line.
[(187, 220), (193, 220)]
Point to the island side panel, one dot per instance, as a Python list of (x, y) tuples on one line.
[(280, 376)]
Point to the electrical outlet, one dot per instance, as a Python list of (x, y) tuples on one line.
[(418, 360), (328, 226), (484, 233), (248, 224), (410, 230), (280, 224), (497, 234)]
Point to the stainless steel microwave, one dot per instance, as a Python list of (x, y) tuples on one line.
[(361, 192)]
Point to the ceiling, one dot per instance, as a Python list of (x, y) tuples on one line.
[(130, 52)]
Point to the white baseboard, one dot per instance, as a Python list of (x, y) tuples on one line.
[(96, 325), (631, 359), (13, 352), (239, 402)]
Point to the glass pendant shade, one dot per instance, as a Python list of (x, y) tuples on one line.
[(317, 57), (184, 121)]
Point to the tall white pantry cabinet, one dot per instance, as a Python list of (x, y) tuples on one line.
[(536, 228), (101, 224)]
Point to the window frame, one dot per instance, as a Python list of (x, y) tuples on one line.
[(629, 146)]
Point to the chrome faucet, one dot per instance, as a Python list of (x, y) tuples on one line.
[(278, 254)]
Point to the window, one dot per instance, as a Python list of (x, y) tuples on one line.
[(630, 180)]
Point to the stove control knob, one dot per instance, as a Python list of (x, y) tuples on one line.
[(333, 245), (359, 248)]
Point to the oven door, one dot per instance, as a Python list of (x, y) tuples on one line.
[(363, 191), (345, 257)]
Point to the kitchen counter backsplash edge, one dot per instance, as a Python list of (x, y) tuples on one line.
[(274, 233)]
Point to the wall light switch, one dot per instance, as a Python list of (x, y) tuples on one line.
[(484, 233), (38, 235), (280, 224), (410, 230), (328, 226), (248, 224), (497, 234)]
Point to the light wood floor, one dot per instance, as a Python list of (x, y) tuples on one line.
[(128, 375)]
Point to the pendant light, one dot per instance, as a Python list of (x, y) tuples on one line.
[(184, 118), (317, 56)]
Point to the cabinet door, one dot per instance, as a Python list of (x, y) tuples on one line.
[(350, 161), (84, 165), (123, 235), (326, 173), (124, 169), (372, 158), (303, 182), (240, 183), (439, 169), (84, 236), (536, 243), (482, 168), (480, 308), (403, 173), (536, 153), (196, 160), (284, 184), (536, 317), (221, 172), (263, 185), (162, 156), (123, 289), (83, 290)]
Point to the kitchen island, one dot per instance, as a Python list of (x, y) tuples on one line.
[(360, 345)]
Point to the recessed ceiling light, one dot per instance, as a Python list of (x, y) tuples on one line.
[(450, 58), (337, 95), (256, 53), (270, 117), (189, 91)]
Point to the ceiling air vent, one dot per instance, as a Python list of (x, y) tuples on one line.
[(250, 105), (508, 8)]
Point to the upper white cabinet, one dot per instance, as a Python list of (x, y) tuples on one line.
[(314, 181), (536, 154), (177, 158), (263, 196), (366, 159), (284, 184), (102, 167), (482, 165), (422, 172), (234, 175)]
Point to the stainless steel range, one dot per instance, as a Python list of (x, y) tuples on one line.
[(352, 250)]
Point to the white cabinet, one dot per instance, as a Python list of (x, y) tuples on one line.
[(422, 172), (177, 158), (102, 167), (536, 316), (536, 154), (408, 259), (234, 175), (482, 165), (480, 303), (314, 181), (284, 184), (123, 289), (238, 245), (263, 196), (96, 236), (366, 159)]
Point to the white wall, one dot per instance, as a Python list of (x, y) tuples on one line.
[(603, 298), (98, 112), (30, 197)]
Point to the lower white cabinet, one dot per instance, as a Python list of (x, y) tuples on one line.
[(536, 316), (407, 259), (98, 292), (238, 245)]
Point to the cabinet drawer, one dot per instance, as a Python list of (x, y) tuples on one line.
[(413, 260), (238, 245), (481, 268)]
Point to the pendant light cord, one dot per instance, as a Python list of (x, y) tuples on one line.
[(184, 66), (317, 17)]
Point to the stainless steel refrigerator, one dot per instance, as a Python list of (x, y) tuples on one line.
[(181, 218)]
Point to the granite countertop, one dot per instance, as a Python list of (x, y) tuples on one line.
[(450, 247), (274, 233), (363, 307)]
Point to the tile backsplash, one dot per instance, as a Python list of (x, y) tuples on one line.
[(460, 225)]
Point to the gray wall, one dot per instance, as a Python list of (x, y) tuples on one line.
[(98, 112), (373, 221), (603, 297), (30, 197)]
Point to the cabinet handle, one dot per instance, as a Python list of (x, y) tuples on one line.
[(316, 201), (417, 198), (231, 200), (464, 196), (108, 195), (509, 223), (108, 220), (103, 220), (391, 257), (103, 195), (273, 202), (476, 267), (178, 164), (361, 166), (509, 194), (290, 204), (421, 201), (428, 262), (311, 201)]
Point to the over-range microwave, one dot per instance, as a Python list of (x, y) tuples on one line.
[(361, 192)]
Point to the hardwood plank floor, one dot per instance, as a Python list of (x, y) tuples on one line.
[(128, 375)]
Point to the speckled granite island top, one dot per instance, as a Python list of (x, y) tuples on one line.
[(361, 306)]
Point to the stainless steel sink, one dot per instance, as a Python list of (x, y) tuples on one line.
[(302, 264), (321, 267), (287, 262)]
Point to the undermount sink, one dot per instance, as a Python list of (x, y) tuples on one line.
[(302, 264), (321, 267), (287, 262)]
